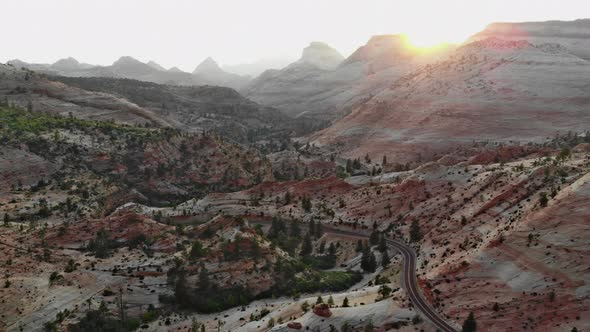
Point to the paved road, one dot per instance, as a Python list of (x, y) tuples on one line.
[(409, 280)]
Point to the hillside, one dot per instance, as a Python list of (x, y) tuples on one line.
[(110, 164), (306, 87), (205, 108), (573, 35), (490, 90), (487, 232)]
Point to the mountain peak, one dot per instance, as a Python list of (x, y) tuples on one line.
[(66, 64), (322, 55), (380, 50), (175, 70), (126, 60), (156, 66), (208, 66)]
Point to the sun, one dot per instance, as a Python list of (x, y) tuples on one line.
[(429, 39)]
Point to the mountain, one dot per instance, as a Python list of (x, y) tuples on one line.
[(321, 55), (28, 89), (156, 66), (322, 85), (175, 70), (256, 68), (131, 68), (208, 67), (201, 108), (69, 64), (210, 71), (488, 90), (573, 35), (193, 109)]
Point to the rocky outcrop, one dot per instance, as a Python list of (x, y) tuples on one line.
[(322, 310), (321, 55), (573, 35), (309, 87), (485, 91)]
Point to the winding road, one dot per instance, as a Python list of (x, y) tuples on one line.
[(409, 281)]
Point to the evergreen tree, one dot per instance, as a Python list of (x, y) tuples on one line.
[(197, 250), (322, 247), (385, 259), (295, 229), (348, 166), (469, 325), (204, 282), (306, 248), (319, 300), (6, 219), (415, 231), (287, 198), (331, 301), (374, 238), (382, 243), (345, 303), (332, 249), (319, 230), (384, 162), (368, 260), (359, 246), (306, 204)]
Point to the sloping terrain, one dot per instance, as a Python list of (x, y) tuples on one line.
[(307, 87), (100, 165), (490, 90), (507, 233), (30, 90), (204, 108), (573, 35)]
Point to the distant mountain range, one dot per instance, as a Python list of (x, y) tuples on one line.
[(207, 73)]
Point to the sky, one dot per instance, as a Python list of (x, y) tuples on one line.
[(182, 33)]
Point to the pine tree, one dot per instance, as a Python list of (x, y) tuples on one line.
[(382, 243), (319, 300), (415, 232), (345, 303), (331, 301), (332, 249), (6, 219), (322, 247), (306, 204), (204, 282), (359, 246), (319, 230), (385, 260), (306, 248), (287, 198), (374, 238), (368, 260), (469, 325)]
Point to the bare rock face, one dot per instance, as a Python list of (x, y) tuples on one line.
[(156, 65), (491, 89), (574, 35), (295, 326), (315, 86), (322, 310), (208, 67), (321, 55)]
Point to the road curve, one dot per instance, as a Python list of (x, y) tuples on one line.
[(409, 281)]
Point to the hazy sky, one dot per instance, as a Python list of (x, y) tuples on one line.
[(182, 33)]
